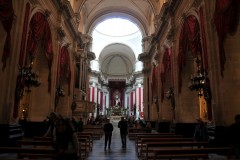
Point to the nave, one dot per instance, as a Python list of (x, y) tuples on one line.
[(115, 152)]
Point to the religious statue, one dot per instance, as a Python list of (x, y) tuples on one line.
[(117, 100)]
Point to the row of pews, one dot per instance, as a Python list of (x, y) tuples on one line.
[(154, 146), (42, 147)]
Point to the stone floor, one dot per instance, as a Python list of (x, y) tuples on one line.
[(115, 152)]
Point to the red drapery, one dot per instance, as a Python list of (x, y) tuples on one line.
[(88, 94), (172, 66), (6, 16), (203, 35), (139, 98), (154, 84), (93, 94), (19, 85), (131, 101), (122, 97), (101, 101), (40, 32), (226, 17), (64, 71), (189, 40), (24, 35), (166, 68)]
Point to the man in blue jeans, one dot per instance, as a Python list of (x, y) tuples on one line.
[(123, 126)]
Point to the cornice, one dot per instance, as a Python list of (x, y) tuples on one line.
[(161, 22), (146, 70), (91, 56), (65, 8), (94, 73), (143, 57)]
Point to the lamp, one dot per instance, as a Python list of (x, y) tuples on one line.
[(155, 99), (28, 77), (170, 96), (60, 91), (198, 81), (170, 93)]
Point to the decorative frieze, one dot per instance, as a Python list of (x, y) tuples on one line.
[(66, 10)]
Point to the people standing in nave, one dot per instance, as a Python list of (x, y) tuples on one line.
[(108, 128), (123, 126)]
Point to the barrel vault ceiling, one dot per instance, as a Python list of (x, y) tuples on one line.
[(118, 60)]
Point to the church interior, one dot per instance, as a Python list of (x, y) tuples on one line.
[(168, 62)]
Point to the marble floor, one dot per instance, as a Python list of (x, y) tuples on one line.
[(116, 152)]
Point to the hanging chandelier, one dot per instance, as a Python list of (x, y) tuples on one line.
[(199, 79), (29, 78), (60, 91), (170, 93)]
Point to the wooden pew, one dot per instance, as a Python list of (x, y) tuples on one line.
[(42, 152), (42, 138), (142, 141), (96, 130), (139, 137), (133, 136), (84, 149), (139, 130), (45, 141), (169, 153), (34, 143), (89, 136), (150, 147)]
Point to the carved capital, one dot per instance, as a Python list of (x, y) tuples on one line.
[(196, 3), (60, 32), (170, 35), (34, 2), (47, 13), (157, 20), (184, 16), (85, 38)]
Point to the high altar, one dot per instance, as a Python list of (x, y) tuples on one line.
[(115, 113)]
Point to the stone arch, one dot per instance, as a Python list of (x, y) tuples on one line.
[(39, 53), (120, 14), (188, 49)]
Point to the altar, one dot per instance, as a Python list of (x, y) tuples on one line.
[(115, 118)]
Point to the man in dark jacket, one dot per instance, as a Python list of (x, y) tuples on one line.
[(123, 125), (108, 128)]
